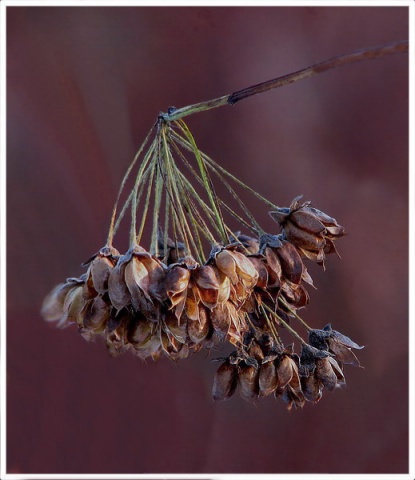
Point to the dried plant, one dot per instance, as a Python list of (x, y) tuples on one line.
[(199, 282)]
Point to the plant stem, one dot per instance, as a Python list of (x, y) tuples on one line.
[(230, 99)]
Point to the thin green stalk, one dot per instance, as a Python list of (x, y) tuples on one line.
[(136, 238), (308, 328), (286, 325), (206, 180), (112, 230), (211, 162), (184, 226)]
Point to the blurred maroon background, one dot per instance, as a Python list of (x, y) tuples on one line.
[(84, 87)]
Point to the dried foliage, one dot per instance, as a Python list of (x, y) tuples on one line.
[(172, 299)]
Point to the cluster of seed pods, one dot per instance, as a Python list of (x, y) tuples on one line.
[(244, 293)]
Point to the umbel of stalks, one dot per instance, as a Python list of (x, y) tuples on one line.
[(199, 284)]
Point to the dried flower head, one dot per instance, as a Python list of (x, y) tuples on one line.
[(170, 299)]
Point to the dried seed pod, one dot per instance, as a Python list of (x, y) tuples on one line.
[(285, 370), (312, 388), (268, 380), (336, 343), (225, 381), (291, 393), (118, 291), (53, 305), (308, 358), (198, 330), (248, 381), (237, 267), (207, 285), (94, 317), (303, 239), (260, 267), (309, 229), (176, 328), (291, 263), (296, 295), (325, 373), (176, 283), (116, 333), (221, 318), (100, 266)]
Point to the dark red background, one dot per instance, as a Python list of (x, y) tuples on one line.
[(84, 87)]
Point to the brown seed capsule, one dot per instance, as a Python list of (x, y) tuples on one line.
[(225, 381), (177, 328), (176, 283), (248, 381), (312, 388), (305, 220), (291, 263), (303, 239), (53, 305), (325, 373), (285, 371), (199, 329), (100, 266), (237, 267), (94, 317), (268, 380), (118, 292), (221, 318), (207, 285), (116, 333), (260, 267)]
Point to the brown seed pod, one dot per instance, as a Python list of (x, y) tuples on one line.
[(94, 317), (221, 318), (259, 264), (116, 333), (53, 305), (176, 283), (118, 291), (248, 381), (207, 285), (325, 373), (291, 263), (100, 266), (312, 388), (225, 381), (303, 239), (198, 330), (268, 380)]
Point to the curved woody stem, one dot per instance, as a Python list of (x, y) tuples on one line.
[(230, 99)]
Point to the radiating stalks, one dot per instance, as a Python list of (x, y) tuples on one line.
[(176, 298)]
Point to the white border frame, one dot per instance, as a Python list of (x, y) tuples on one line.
[(3, 350)]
